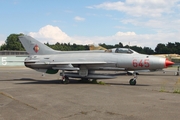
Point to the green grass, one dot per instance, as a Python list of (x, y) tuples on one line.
[(177, 90), (94, 81), (177, 87), (101, 83), (162, 89)]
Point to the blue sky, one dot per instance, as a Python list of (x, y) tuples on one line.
[(138, 22)]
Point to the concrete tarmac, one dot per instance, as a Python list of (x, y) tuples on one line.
[(27, 95)]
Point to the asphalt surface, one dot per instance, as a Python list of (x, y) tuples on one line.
[(27, 95)]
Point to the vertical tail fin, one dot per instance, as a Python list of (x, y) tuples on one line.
[(34, 47)]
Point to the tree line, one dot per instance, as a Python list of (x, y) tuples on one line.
[(12, 43)]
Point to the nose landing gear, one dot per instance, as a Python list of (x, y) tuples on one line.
[(133, 80)]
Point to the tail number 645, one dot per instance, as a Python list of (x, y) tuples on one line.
[(141, 63)]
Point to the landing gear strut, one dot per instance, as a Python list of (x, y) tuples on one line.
[(133, 80), (65, 79)]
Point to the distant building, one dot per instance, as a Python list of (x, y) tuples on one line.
[(5, 52), (12, 58)]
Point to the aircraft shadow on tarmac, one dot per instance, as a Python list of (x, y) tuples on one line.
[(157, 74), (123, 84), (147, 74), (72, 81), (35, 81)]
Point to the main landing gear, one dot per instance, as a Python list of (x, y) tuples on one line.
[(133, 80), (65, 79)]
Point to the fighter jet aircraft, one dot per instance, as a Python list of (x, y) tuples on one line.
[(84, 64)]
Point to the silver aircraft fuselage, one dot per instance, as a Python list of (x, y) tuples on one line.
[(98, 61)]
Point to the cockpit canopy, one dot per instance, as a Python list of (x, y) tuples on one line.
[(121, 50)]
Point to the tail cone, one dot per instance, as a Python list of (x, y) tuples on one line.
[(168, 63)]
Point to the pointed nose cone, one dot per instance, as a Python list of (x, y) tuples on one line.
[(168, 63)]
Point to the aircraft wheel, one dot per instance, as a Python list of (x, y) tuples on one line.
[(132, 82), (65, 80)]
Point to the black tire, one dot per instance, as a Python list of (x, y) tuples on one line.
[(66, 80), (63, 82), (132, 82)]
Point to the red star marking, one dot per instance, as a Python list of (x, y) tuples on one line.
[(36, 48)]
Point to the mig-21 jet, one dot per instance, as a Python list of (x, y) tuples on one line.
[(84, 64)]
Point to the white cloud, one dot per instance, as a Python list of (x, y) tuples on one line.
[(143, 40), (125, 33), (54, 34), (51, 34), (153, 8), (158, 25), (77, 18), (152, 15), (2, 39)]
